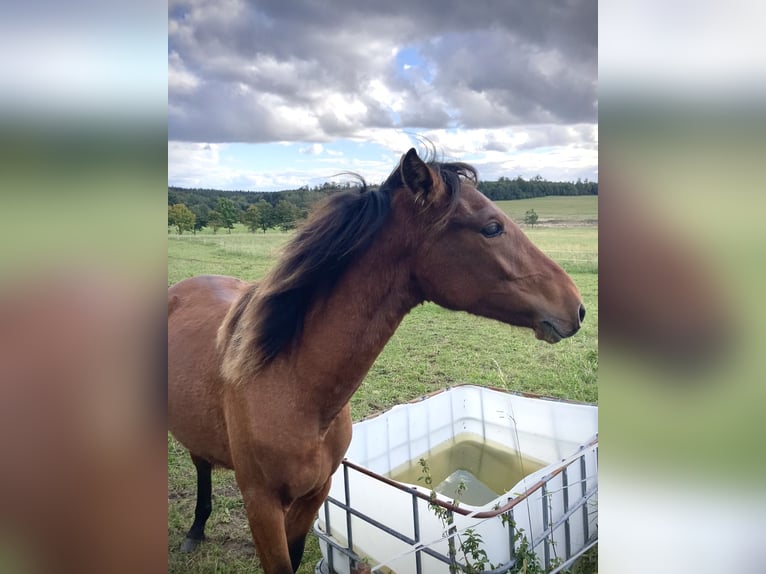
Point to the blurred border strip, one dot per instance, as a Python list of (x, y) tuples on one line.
[(83, 160), (682, 139)]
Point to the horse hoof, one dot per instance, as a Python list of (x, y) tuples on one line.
[(189, 544)]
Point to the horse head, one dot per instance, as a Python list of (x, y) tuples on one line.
[(471, 256)]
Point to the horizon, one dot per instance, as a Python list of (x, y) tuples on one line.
[(372, 184)]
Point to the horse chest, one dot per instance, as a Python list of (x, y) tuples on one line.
[(320, 457)]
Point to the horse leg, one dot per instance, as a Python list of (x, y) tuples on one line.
[(298, 523), (266, 516), (203, 507)]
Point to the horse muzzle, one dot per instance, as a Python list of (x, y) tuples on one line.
[(553, 330)]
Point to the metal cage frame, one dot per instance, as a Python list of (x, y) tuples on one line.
[(576, 497)]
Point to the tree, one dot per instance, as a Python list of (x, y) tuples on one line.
[(285, 215), (530, 218), (201, 214), (228, 212), (260, 216), (214, 220), (251, 218), (181, 217)]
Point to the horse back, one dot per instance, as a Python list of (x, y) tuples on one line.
[(196, 309), (216, 289)]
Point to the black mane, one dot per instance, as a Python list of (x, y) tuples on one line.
[(338, 231)]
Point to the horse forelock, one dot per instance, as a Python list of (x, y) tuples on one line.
[(452, 175), (266, 321)]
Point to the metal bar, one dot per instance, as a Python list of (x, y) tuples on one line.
[(546, 545), (335, 545), (416, 532), (346, 489), (389, 531), (446, 560), (451, 542), (511, 536), (567, 535), (507, 509), (565, 565), (463, 511), (331, 552), (375, 523), (579, 504), (583, 484)]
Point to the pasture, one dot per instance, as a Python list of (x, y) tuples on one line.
[(433, 348)]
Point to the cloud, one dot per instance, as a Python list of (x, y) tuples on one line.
[(563, 153), (197, 165), (268, 70), (180, 80), (193, 164), (313, 149)]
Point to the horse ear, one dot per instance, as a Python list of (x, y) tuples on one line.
[(415, 173)]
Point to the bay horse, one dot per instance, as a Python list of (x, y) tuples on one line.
[(260, 374)]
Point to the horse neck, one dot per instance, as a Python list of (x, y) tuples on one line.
[(345, 333)]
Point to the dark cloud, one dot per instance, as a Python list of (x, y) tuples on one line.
[(265, 70)]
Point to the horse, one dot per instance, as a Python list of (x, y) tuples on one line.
[(260, 374)]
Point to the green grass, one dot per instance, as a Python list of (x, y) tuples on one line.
[(560, 208), (432, 349), (240, 254)]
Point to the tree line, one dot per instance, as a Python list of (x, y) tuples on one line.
[(258, 216), (520, 188), (195, 209)]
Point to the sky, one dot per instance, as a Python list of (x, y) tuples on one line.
[(270, 94)]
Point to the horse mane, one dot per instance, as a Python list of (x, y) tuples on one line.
[(269, 315)]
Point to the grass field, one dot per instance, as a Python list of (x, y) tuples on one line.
[(432, 349), (574, 210)]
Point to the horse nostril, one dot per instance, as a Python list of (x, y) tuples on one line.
[(582, 312)]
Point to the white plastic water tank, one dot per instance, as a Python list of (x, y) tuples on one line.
[(557, 434)]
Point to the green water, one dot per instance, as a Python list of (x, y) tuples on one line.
[(486, 469)]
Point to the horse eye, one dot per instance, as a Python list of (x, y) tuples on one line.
[(492, 230)]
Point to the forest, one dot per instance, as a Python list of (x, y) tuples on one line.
[(194, 209)]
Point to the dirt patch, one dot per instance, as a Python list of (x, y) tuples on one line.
[(241, 546), (227, 485)]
